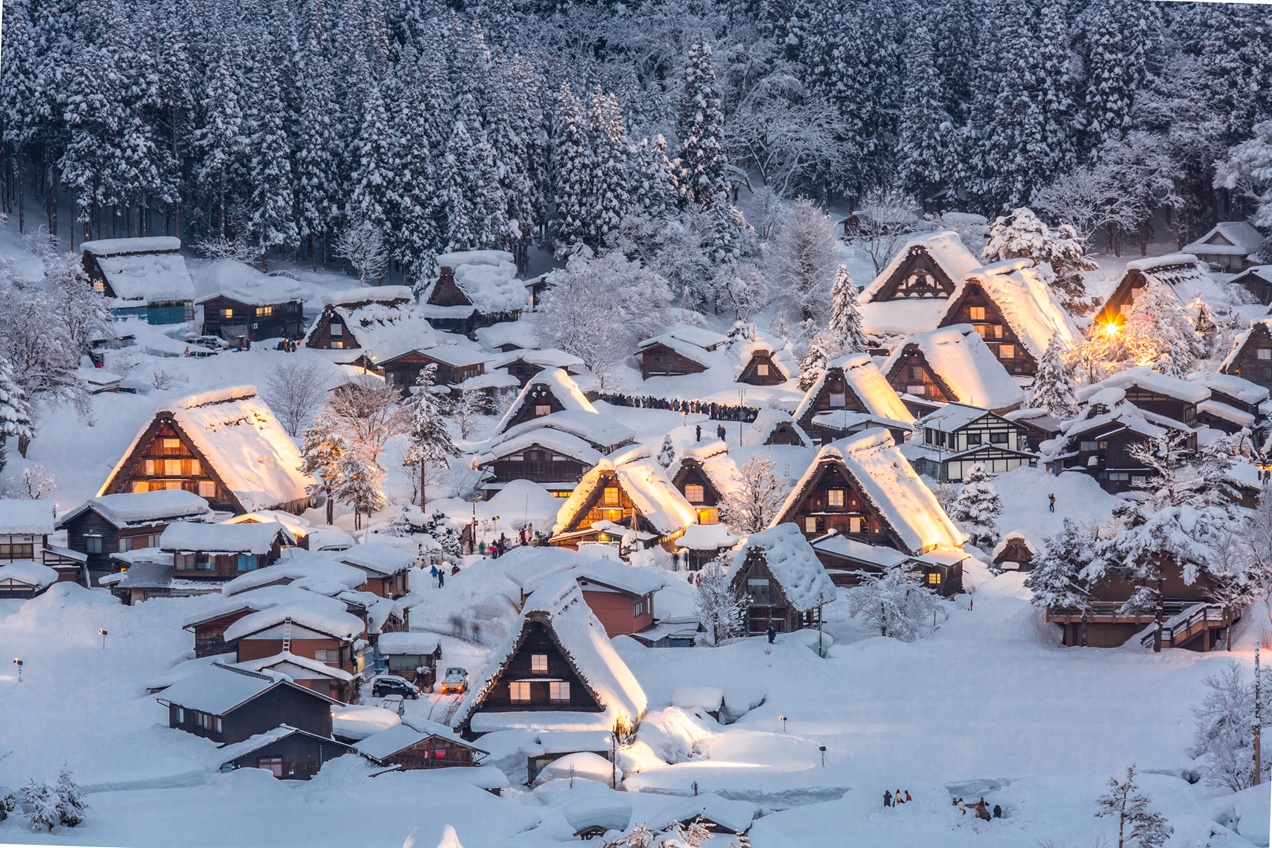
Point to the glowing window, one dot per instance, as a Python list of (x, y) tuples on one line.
[(519, 691), (611, 496), (810, 524), (934, 579), (264, 311), (539, 663), (856, 524), (542, 409), (977, 313), (761, 369), (227, 314), (559, 691), (835, 497), (207, 489), (1007, 351), (694, 494)]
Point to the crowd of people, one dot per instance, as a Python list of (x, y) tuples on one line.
[(980, 809), (711, 409)]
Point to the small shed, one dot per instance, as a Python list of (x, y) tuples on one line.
[(24, 579), (1228, 246), (1015, 552), (142, 277), (285, 752), (419, 745), (412, 655)]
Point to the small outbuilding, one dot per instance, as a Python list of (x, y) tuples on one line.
[(785, 582)]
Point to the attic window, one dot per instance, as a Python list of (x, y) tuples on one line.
[(207, 489), (539, 663), (694, 494), (761, 369), (1006, 351), (542, 409), (1265, 353), (611, 496), (838, 400), (227, 314), (559, 691), (977, 313), (336, 329), (519, 691), (835, 497)]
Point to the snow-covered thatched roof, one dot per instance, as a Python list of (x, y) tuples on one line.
[(951, 417), (149, 270), (377, 558), (732, 815), (947, 251), (1145, 378), (602, 432), (1227, 238), (646, 484), (554, 380), (488, 278), (1231, 385), (191, 537), (1027, 303), (867, 382), (242, 442), (966, 366), (714, 460), (316, 573), (1239, 343), (24, 517), (758, 431), (793, 564), (889, 483), (127, 509), (690, 335), (242, 283), (779, 352), (559, 606)]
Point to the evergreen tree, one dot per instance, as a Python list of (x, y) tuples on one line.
[(700, 127), (271, 222), (1060, 253), (322, 446), (1119, 38), (428, 440), (373, 176), (1056, 578), (895, 604), (315, 172), (926, 135), (15, 413), (1056, 89), (653, 180), (667, 453), (458, 224), (1053, 388), (1137, 825), (573, 166), (71, 802), (220, 138), (360, 484), (1159, 332), (845, 330), (977, 507), (611, 173)]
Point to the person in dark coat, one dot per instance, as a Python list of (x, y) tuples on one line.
[(697, 431), (772, 634), (887, 798), (998, 811), (908, 799), (454, 570), (1051, 502), (720, 431), (441, 577)]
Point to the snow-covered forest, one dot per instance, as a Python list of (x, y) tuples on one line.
[(277, 128)]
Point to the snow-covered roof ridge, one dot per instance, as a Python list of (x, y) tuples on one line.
[(1144, 377), (149, 277), (581, 638), (1024, 537), (646, 484), (189, 537), (867, 382), (766, 421), (600, 431), (238, 435), (1153, 263), (1027, 303), (266, 664), (951, 417), (778, 350), (946, 248), (1232, 386), (885, 478), (337, 624), (380, 746), (369, 294), (792, 562), (1236, 238), (965, 364), (25, 517), (562, 387), (133, 508), (488, 278), (241, 282), (699, 337), (28, 573), (377, 557), (122, 246)]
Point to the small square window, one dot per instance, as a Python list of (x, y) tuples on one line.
[(336, 330), (835, 497), (856, 524), (611, 496), (761, 369), (1265, 353), (519, 691), (93, 544), (810, 524), (973, 438), (542, 409), (207, 489), (977, 313), (1007, 351), (694, 494), (838, 400), (934, 579), (539, 663), (559, 691)]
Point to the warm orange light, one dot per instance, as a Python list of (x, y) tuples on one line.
[(1112, 329)]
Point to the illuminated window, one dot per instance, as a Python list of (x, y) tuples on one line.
[(519, 691), (151, 467), (264, 311), (172, 467), (559, 691), (611, 496), (835, 497), (539, 663), (141, 486), (694, 494), (1007, 351), (810, 524), (708, 516), (838, 400), (977, 313), (761, 369), (856, 524), (934, 579), (542, 409), (227, 314), (207, 489)]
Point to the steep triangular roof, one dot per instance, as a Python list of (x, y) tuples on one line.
[(864, 380), (555, 382), (560, 607), (1026, 302), (645, 482), (946, 251), (792, 562), (966, 368), (1227, 238), (885, 478)]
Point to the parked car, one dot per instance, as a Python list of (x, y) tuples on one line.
[(393, 703), (389, 684), (455, 682)]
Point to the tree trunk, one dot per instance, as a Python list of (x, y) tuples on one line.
[(21, 191), (423, 494), (331, 507), (1159, 615), (24, 443)]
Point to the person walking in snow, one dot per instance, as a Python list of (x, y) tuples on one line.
[(720, 432), (962, 808), (441, 577), (998, 812), (1051, 502), (897, 796), (887, 798), (772, 634), (908, 799)]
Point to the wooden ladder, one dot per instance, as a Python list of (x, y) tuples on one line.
[(287, 635)]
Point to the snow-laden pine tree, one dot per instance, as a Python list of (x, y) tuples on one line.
[(1137, 825), (700, 128), (894, 603), (573, 164), (1159, 332), (653, 186), (1053, 388), (220, 138), (360, 484), (1119, 39), (15, 413), (71, 801), (1056, 87), (1060, 252), (1223, 736), (805, 256), (457, 224), (322, 445), (40, 803), (611, 174), (315, 175), (977, 508), (20, 95), (926, 136), (415, 239), (667, 453), (428, 440), (1056, 578), (844, 333), (271, 219), (373, 176)]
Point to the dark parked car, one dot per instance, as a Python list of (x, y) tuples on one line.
[(388, 684)]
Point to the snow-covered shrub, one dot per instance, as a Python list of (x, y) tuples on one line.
[(895, 604), (71, 803), (1136, 825), (720, 606), (977, 507), (8, 803), (40, 803), (1224, 737)]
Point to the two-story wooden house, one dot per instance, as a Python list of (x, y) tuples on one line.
[(703, 473), (955, 437), (864, 489), (304, 630), (388, 569), (628, 491), (784, 581), (419, 744), (853, 389), (1228, 246), (554, 451), (1158, 394), (559, 672), (620, 596), (1258, 282), (1235, 403), (913, 290), (474, 289), (455, 364), (951, 365), (246, 304), (524, 365), (221, 551), (225, 446), (1251, 355), (127, 521), (227, 704), (550, 391)]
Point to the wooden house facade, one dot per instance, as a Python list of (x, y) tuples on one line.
[(1181, 272), (454, 366), (126, 522), (408, 748), (785, 583), (762, 368), (1100, 445), (850, 384), (346, 315), (25, 527), (229, 705), (1258, 282), (975, 306), (287, 754), (636, 495), (1251, 358), (475, 289), (545, 461), (699, 489), (957, 437), (661, 359), (332, 640), (221, 552), (235, 319), (917, 273), (1014, 553)]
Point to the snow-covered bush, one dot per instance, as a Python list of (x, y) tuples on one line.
[(720, 606), (1137, 825), (1224, 734), (977, 507), (895, 603), (8, 803), (40, 803)]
